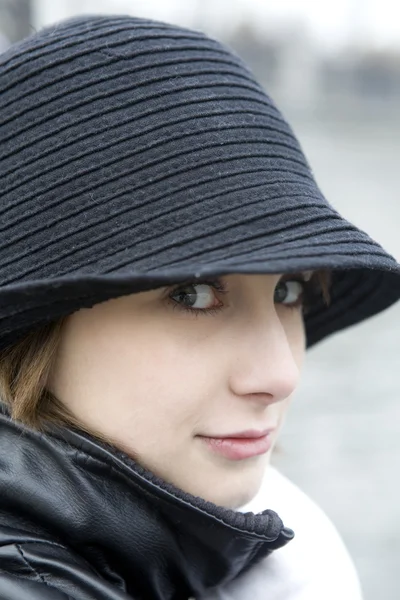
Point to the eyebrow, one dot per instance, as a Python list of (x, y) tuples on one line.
[(306, 275)]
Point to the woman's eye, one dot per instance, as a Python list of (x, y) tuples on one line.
[(289, 292), (200, 296)]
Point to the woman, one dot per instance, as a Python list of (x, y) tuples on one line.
[(166, 259)]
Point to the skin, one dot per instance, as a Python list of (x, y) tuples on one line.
[(154, 376)]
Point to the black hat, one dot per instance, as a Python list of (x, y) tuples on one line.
[(135, 154)]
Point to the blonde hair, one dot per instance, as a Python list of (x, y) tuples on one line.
[(25, 367)]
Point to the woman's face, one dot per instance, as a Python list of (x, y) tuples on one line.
[(162, 372)]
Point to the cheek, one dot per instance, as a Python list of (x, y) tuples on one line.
[(293, 324), (155, 384), (165, 399), (283, 408)]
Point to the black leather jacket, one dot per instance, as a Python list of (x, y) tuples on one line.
[(82, 521)]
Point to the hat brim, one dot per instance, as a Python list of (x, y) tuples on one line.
[(362, 285)]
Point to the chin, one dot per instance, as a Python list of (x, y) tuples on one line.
[(233, 492), (243, 498)]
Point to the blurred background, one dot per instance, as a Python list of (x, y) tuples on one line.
[(335, 73)]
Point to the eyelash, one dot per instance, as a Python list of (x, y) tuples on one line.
[(219, 286)]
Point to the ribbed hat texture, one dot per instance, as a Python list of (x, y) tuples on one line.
[(134, 154)]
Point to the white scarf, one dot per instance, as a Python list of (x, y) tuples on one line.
[(315, 565)]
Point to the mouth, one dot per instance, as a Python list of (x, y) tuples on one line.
[(242, 445)]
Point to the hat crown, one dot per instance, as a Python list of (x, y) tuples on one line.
[(121, 132)]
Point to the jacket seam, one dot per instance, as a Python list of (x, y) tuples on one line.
[(24, 543), (28, 564), (255, 552), (44, 542)]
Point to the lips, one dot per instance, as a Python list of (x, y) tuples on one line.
[(241, 445), (249, 434)]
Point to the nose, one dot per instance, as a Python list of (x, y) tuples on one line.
[(266, 364)]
